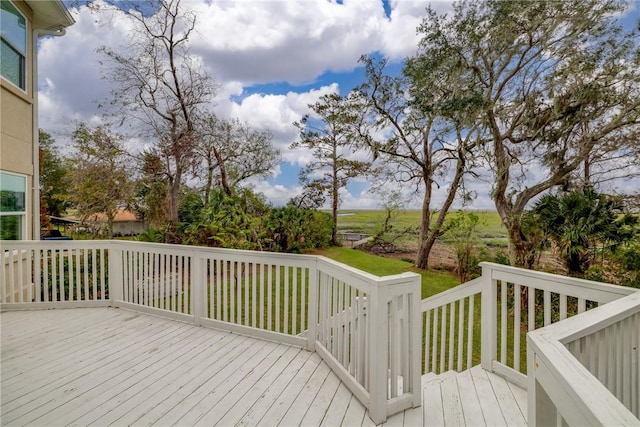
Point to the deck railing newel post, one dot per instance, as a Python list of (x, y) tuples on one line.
[(312, 309), (489, 323), (115, 273), (416, 341), (531, 384), (197, 288), (378, 353)]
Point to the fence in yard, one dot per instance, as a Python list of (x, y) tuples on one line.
[(365, 327), (491, 319)]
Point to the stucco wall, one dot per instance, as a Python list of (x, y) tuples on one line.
[(16, 124)]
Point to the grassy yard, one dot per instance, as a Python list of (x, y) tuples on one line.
[(433, 282)]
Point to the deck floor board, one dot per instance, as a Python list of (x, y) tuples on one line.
[(108, 366)]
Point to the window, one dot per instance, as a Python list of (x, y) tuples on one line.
[(13, 208), (13, 49)]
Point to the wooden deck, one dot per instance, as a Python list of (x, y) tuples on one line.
[(118, 367)]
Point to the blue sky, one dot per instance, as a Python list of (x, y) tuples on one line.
[(271, 59)]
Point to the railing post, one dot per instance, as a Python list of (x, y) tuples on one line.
[(378, 353), (531, 385), (312, 308), (198, 290), (115, 273), (489, 325), (416, 341)]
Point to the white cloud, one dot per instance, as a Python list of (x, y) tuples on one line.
[(242, 42), (277, 114)]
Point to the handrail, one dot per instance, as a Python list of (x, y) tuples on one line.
[(469, 288), (365, 327), (559, 383)]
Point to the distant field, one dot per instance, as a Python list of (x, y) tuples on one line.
[(368, 221)]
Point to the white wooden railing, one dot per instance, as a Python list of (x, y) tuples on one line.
[(485, 321), (365, 327), (586, 370)]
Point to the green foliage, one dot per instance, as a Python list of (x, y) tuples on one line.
[(332, 144), (461, 232), (99, 174), (290, 229), (151, 194), (629, 259), (152, 235), (386, 229), (555, 84), (580, 223), (245, 221), (54, 185)]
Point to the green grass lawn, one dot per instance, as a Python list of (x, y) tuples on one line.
[(433, 282)]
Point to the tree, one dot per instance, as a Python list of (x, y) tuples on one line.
[(54, 188), (461, 232), (230, 152), (581, 221), (331, 142), (151, 194), (424, 133), (161, 86), (559, 83), (98, 173)]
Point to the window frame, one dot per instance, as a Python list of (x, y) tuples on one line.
[(23, 55), (23, 214)]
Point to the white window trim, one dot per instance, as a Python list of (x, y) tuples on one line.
[(26, 54), (25, 234)]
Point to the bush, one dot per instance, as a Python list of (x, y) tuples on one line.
[(290, 229)]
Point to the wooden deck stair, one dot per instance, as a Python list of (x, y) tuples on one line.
[(472, 398)]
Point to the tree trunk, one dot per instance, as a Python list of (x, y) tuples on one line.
[(425, 243), (223, 172), (334, 213), (174, 196), (428, 236), (522, 252)]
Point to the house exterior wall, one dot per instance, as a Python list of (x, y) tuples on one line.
[(16, 119), (129, 228)]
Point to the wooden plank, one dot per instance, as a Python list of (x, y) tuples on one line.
[(432, 404), (138, 377), (521, 397), (337, 409), (163, 397), (451, 405), (154, 389), (267, 389), (62, 391), (215, 404), (194, 402), (279, 396), (106, 353), (506, 400), (413, 417), (304, 401), (355, 413), (395, 420), (62, 355), (488, 402), (469, 400), (321, 402)]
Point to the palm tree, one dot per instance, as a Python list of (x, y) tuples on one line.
[(581, 221)]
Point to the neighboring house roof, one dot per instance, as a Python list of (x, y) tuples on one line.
[(63, 221), (121, 216), (50, 14)]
